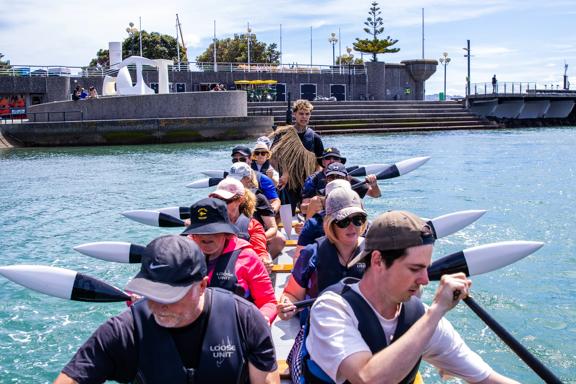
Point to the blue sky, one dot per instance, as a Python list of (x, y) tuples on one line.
[(519, 41)]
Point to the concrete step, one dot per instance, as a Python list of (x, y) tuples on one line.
[(396, 119), (406, 129), (399, 124)]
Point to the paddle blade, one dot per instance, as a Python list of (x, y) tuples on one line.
[(205, 183), (63, 283), (453, 222), (153, 218), (286, 218), (484, 258), (370, 169), (401, 168), (116, 251), (180, 212), (217, 173)]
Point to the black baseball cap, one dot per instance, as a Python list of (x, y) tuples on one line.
[(332, 152), (170, 265), (242, 149), (209, 216)]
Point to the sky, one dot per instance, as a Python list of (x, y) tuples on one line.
[(525, 41)]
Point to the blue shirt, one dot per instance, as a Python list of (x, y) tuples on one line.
[(313, 228), (267, 187)]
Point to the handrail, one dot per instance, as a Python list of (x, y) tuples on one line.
[(51, 114), (71, 71), (514, 88)]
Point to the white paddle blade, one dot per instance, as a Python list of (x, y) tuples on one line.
[(453, 222), (409, 165), (202, 183), (172, 211), (489, 257), (374, 169), (52, 281), (215, 173), (143, 216), (286, 218), (116, 251)]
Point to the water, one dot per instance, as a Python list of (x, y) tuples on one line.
[(53, 199)]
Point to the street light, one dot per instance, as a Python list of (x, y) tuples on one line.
[(333, 40), (131, 30), (249, 30), (444, 61), (350, 59)]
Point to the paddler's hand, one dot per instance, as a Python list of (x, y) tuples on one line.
[(371, 180), (282, 181), (268, 263), (451, 290), (286, 309)]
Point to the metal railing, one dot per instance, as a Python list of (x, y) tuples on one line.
[(55, 70), (515, 88), (55, 116)]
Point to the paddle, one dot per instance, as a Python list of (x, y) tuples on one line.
[(363, 170), (205, 183), (474, 261), (285, 212), (215, 173), (530, 360), (63, 283), (397, 169), (154, 218), (117, 251)]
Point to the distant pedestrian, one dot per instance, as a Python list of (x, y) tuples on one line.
[(76, 93), (494, 84)]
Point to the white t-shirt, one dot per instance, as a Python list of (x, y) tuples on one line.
[(334, 336)]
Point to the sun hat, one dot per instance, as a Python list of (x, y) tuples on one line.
[(343, 202), (336, 169), (228, 188), (241, 149), (209, 216), (240, 170), (338, 183), (264, 140), (170, 265), (396, 230), (332, 152), (260, 147)]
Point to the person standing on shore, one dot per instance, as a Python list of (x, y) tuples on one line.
[(494, 84)]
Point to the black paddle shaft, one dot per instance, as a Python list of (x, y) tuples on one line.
[(531, 360)]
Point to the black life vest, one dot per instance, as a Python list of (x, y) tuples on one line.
[(262, 169), (328, 267), (222, 357), (370, 328), (224, 275), (242, 224)]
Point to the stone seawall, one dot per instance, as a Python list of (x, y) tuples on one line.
[(135, 131)]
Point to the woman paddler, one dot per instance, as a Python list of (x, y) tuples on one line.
[(325, 262)]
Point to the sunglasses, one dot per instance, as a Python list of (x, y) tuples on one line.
[(335, 177), (260, 153), (242, 159), (358, 221)]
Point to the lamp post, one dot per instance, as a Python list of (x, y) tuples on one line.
[(249, 32), (131, 30), (444, 61), (333, 40), (350, 59)]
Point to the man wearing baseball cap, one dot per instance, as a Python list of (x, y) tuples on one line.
[(333, 168), (180, 332), (376, 329)]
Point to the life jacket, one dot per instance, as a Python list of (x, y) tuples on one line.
[(242, 224), (224, 275), (308, 139), (222, 356), (305, 371), (328, 268), (262, 169)]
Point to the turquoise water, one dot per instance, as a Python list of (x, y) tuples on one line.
[(53, 199)]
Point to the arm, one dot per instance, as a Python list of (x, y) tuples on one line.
[(293, 292), (373, 188), (275, 203), (261, 377), (270, 226), (258, 240), (64, 379), (393, 363), (254, 275)]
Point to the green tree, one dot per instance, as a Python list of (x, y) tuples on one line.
[(348, 59), (154, 46), (374, 27), (235, 50), (4, 64)]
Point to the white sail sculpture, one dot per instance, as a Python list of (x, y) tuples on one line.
[(122, 83)]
